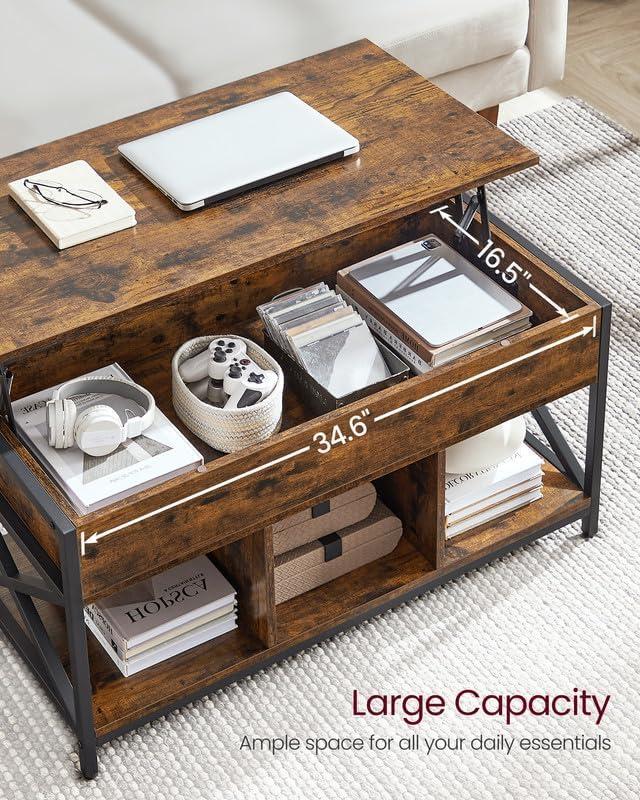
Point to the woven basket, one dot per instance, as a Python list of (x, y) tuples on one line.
[(227, 430)]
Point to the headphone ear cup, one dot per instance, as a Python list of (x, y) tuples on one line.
[(51, 422), (98, 430), (59, 414), (69, 414)]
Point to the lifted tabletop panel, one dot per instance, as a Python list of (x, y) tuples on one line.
[(419, 146)]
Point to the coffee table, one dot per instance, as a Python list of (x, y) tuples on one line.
[(135, 296)]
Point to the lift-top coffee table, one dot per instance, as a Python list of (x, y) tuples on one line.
[(135, 296)]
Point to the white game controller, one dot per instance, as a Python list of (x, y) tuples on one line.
[(247, 384), (226, 376), (223, 351)]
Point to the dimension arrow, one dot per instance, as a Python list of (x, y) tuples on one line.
[(590, 329), (95, 537), (444, 214), (559, 309)]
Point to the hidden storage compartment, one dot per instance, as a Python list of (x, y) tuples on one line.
[(237, 493)]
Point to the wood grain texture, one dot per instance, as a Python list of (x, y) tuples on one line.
[(491, 114), (19, 497), (416, 495), (157, 331), (248, 564), (145, 343), (136, 295), (603, 58), (225, 514), (419, 146)]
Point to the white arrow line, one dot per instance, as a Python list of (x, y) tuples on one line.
[(466, 381), (558, 308), (96, 536), (445, 215)]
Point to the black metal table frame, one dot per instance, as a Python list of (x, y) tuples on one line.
[(62, 586)]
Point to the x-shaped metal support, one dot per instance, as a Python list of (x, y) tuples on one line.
[(558, 453), (32, 638)]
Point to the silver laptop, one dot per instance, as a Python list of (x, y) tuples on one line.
[(224, 154)]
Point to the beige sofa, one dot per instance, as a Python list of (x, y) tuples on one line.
[(67, 65)]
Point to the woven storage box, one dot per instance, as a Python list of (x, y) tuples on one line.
[(318, 562), (339, 512), (235, 428)]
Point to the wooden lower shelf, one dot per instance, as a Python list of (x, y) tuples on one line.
[(560, 500), (121, 702)]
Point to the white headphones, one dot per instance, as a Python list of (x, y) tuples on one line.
[(98, 429)]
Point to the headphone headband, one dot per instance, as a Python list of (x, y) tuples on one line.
[(131, 391)]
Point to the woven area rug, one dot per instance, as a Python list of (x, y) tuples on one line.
[(560, 614)]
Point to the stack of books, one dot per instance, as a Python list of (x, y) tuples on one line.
[(165, 615), (476, 497), (429, 304)]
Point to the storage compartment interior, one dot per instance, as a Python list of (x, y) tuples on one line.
[(154, 372), (144, 344), (144, 347)]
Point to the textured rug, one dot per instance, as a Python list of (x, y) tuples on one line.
[(560, 614)]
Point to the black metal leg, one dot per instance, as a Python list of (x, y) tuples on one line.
[(484, 213), (78, 654), (595, 429)]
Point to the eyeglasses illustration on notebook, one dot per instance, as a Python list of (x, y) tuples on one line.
[(59, 195)]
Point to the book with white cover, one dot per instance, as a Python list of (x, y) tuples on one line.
[(162, 603), (519, 501), (93, 482), (70, 226), (466, 488), (173, 647), (125, 652), (495, 500)]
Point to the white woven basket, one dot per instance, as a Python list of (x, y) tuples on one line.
[(235, 428)]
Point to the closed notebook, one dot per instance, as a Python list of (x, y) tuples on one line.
[(70, 226)]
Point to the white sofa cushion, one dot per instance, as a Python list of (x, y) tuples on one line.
[(547, 40), (204, 43), (61, 71), (489, 83)]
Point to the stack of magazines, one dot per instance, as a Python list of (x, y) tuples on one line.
[(326, 337), (165, 615), (476, 497)]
